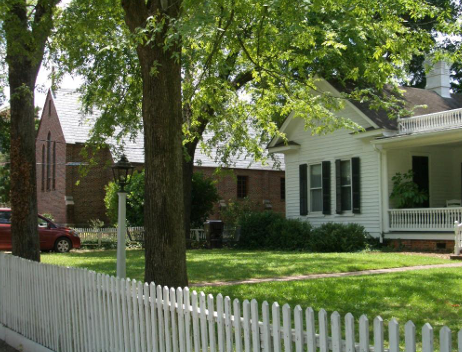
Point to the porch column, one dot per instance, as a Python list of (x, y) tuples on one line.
[(384, 190)]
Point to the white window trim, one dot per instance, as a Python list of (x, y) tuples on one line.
[(318, 212)]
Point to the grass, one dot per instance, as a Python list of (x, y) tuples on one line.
[(231, 265), (433, 296)]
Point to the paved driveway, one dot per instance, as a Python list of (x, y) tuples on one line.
[(6, 348)]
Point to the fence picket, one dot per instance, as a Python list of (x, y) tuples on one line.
[(393, 332), (154, 331), (298, 322), (220, 323), (203, 321), (266, 329), (147, 317), (427, 338), (363, 334), (310, 330), (246, 324), (228, 325), (445, 339), (378, 335), (141, 316), (336, 332), (181, 333), (211, 323), (196, 330), (166, 306), (276, 327), (255, 326), (409, 337), (173, 320), (237, 324), (160, 318), (187, 319), (323, 331), (350, 333)]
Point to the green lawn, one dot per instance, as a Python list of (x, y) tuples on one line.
[(229, 265), (433, 296)]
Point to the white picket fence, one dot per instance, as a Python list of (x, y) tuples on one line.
[(106, 234), (457, 238), (70, 309), (136, 233)]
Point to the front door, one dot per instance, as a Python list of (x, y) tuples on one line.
[(421, 177)]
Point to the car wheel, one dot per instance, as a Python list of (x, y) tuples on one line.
[(63, 245)]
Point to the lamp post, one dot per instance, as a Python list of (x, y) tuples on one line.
[(122, 171)]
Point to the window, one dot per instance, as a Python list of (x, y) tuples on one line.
[(54, 165), (283, 188), (43, 167), (5, 217), (345, 184), (42, 222), (242, 186), (315, 188), (49, 161)]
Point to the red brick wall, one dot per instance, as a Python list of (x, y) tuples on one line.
[(51, 200), (262, 185), (88, 190), (422, 245)]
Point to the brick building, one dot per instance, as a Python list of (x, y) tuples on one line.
[(74, 199)]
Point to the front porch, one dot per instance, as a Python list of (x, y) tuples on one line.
[(430, 146)]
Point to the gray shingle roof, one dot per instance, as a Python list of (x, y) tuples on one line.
[(77, 127)]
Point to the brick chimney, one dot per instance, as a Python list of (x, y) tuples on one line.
[(438, 79)]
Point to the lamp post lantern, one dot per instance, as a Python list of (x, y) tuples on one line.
[(122, 170)]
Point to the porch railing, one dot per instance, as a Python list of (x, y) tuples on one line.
[(424, 219), (431, 122)]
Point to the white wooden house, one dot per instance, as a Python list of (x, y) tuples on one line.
[(347, 177)]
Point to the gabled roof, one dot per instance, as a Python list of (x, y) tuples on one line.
[(77, 127), (412, 97)]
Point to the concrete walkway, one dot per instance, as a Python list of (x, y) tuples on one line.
[(6, 348), (322, 276)]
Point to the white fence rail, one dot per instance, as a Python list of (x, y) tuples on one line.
[(431, 122), (135, 233), (70, 310), (424, 219), (457, 237), (107, 234)]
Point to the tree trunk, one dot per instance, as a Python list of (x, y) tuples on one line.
[(24, 230), (165, 243)]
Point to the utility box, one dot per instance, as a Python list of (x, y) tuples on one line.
[(214, 233)]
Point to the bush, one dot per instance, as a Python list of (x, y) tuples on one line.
[(268, 230), (334, 237)]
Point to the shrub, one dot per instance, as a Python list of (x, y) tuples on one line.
[(268, 230), (255, 229), (334, 237)]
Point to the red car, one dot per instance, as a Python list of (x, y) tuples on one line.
[(60, 239)]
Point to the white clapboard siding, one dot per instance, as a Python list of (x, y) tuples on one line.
[(73, 310), (317, 148)]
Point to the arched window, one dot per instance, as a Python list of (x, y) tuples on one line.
[(49, 161), (54, 165), (43, 167)]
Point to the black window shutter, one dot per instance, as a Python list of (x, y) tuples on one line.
[(326, 187), (303, 176), (356, 184), (338, 188)]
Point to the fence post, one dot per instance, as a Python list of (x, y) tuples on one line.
[(100, 235)]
